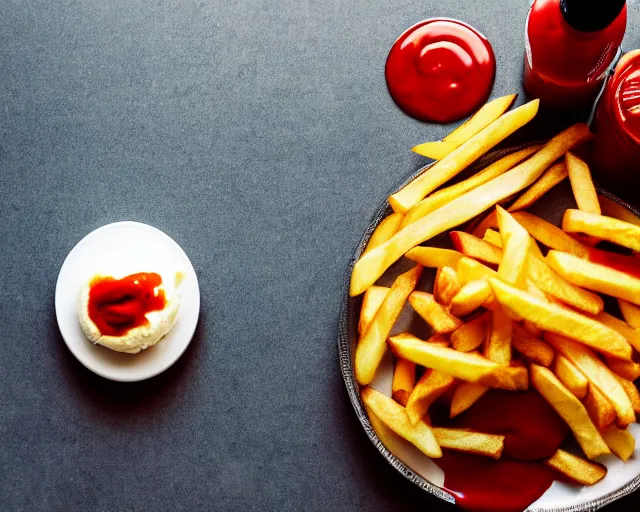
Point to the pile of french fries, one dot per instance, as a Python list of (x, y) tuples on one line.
[(504, 315)]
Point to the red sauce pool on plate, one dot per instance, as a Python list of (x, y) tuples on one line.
[(518, 479), (627, 264), (440, 70), (118, 305)]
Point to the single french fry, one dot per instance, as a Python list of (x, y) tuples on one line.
[(550, 282), (445, 169), (476, 248), (470, 297), (372, 343), (515, 247), (471, 335), (552, 176), (600, 409), (571, 377), (434, 257), (582, 185), (577, 469), (429, 388), (530, 327), (446, 285), (598, 374), (472, 270), (493, 237), (395, 418), (465, 395), (404, 380), (621, 442), (537, 351), (448, 194), (433, 313), (489, 445), (630, 312), (383, 432), (612, 209), (461, 365), (558, 320), (372, 265), (570, 410), (371, 301), (623, 368), (593, 276), (550, 235), (486, 115), (384, 231), (632, 392), (630, 334), (479, 227), (613, 230), (498, 346)]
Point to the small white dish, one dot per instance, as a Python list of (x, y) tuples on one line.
[(132, 247)]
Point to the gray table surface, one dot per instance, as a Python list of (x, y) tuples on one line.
[(261, 137)]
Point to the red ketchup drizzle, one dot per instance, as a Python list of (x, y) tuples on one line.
[(118, 305), (440, 70), (515, 481), (627, 264)]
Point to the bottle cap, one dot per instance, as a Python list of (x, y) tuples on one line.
[(590, 15)]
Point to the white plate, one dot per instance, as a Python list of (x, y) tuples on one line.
[(129, 247)]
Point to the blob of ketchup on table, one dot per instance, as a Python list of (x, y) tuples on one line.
[(533, 432), (569, 46), (118, 305), (440, 70)]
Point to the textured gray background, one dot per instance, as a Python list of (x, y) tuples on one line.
[(261, 137)]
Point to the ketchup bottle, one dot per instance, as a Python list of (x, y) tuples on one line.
[(616, 146), (569, 46)]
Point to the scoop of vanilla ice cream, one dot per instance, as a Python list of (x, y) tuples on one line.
[(142, 337)]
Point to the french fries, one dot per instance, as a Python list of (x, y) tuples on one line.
[(582, 184), (577, 469), (630, 313), (393, 416), (625, 369), (465, 395), (571, 377), (446, 285), (372, 344), (461, 365), (471, 335), (552, 176), (613, 230), (532, 348), (446, 195), (498, 347), (598, 374), (570, 410), (404, 380), (600, 410), (476, 248), (471, 270), (440, 320), (612, 209), (470, 297), (632, 392), (620, 442), (445, 169), (434, 257), (550, 235), (428, 389), (515, 243), (489, 445), (486, 115), (385, 230), (493, 237), (373, 264), (595, 277), (371, 301), (558, 320), (630, 334)]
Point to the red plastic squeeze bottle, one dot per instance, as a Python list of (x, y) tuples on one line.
[(616, 147), (569, 46)]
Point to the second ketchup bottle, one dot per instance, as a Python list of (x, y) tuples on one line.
[(569, 46)]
